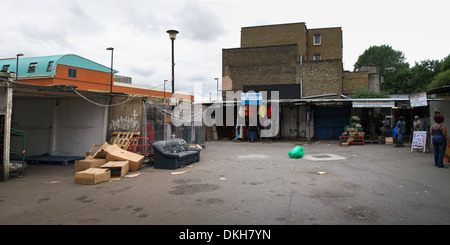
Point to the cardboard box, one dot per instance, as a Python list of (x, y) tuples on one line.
[(101, 153), (389, 141), (117, 168), (92, 176), (87, 163), (90, 153), (115, 153)]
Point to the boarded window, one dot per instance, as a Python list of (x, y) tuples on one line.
[(32, 67), (50, 66)]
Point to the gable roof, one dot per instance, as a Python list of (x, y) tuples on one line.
[(43, 68)]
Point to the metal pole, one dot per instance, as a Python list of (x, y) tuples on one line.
[(111, 79), (165, 108), (217, 79), (173, 84), (111, 82), (17, 68)]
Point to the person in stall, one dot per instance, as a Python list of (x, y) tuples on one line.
[(417, 124)]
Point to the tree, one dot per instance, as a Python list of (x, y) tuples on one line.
[(392, 65), (443, 74), (441, 79), (368, 93), (422, 74)]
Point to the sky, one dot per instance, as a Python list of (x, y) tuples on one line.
[(142, 48)]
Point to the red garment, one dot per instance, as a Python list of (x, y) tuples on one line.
[(252, 111)]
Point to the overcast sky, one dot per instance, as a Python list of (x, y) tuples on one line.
[(137, 31)]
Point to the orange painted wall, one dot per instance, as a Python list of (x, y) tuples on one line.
[(96, 81)]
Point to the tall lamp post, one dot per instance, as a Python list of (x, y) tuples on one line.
[(111, 80), (17, 66), (165, 107), (165, 90), (173, 35), (217, 79)]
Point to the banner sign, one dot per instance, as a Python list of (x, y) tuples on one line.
[(419, 99), (419, 140), (365, 103), (251, 98)]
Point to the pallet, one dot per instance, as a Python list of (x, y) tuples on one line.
[(351, 140), (47, 159), (122, 139)]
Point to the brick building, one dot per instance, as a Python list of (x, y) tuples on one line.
[(290, 54), (302, 64)]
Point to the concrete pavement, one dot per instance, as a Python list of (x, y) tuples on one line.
[(245, 184)]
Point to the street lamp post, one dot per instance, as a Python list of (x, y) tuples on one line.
[(173, 35), (165, 91), (217, 79), (17, 66), (111, 79), (165, 108)]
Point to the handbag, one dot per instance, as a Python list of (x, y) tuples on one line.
[(447, 152)]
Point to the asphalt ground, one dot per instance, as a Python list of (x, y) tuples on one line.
[(245, 184)]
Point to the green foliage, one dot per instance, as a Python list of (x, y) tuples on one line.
[(367, 93), (441, 79), (422, 74), (392, 65), (398, 77)]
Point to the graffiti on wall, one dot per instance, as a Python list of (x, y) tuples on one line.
[(125, 123)]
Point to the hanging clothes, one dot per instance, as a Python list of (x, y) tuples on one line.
[(308, 113), (252, 111), (241, 111), (262, 111)]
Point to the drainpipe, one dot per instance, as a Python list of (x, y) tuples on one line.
[(301, 77)]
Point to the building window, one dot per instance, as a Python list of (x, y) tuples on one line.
[(5, 68), (317, 39), (317, 57), (50, 66), (32, 67), (72, 73)]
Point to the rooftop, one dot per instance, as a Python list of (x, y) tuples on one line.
[(46, 65)]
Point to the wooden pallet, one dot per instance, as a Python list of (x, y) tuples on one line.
[(351, 140), (122, 139), (47, 159)]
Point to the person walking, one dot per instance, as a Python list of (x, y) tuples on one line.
[(440, 138), (401, 129)]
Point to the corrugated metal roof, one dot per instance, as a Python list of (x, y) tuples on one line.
[(43, 68)]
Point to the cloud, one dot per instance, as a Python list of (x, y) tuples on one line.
[(199, 22)]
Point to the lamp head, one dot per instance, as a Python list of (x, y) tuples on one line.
[(172, 34)]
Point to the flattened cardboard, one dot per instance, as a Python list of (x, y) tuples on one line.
[(115, 153), (101, 153), (87, 163), (117, 168), (92, 176)]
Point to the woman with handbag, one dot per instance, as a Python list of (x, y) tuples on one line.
[(440, 138)]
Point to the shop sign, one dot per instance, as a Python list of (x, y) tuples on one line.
[(366, 103), (419, 99), (251, 98)]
